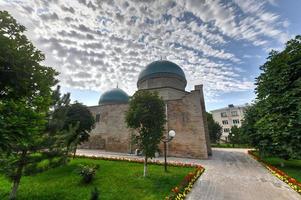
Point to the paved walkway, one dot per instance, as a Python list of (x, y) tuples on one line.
[(230, 175)]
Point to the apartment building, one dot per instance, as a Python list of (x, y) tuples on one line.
[(228, 117)]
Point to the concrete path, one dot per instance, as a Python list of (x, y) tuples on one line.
[(230, 174)]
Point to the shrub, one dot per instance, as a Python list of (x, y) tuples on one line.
[(30, 169), (87, 172), (57, 161), (44, 165)]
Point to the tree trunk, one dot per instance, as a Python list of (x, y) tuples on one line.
[(66, 154), (145, 167), (17, 177), (74, 151), (13, 193), (261, 153), (67, 150)]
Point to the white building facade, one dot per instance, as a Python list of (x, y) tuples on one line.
[(228, 117)]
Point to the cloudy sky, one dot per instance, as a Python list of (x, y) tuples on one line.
[(95, 44)]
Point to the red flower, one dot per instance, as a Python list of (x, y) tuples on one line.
[(292, 180), (189, 176), (175, 190)]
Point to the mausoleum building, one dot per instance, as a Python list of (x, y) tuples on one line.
[(185, 110)]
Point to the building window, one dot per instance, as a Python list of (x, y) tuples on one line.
[(226, 130), (223, 114), (97, 117), (234, 113), (225, 122), (235, 121)]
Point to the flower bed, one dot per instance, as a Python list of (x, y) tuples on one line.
[(293, 183), (179, 192)]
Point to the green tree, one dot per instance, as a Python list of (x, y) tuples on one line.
[(58, 112), (215, 130), (58, 134), (279, 101), (21, 73), (235, 135), (80, 116), (146, 114), (249, 129), (27, 125), (25, 97)]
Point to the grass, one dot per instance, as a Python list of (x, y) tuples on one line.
[(291, 167), (227, 145), (114, 180)]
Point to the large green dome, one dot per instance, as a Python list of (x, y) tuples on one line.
[(161, 68), (114, 96)]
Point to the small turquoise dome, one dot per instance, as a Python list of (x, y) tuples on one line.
[(161, 67), (114, 96)]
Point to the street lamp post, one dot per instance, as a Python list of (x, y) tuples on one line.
[(165, 140)]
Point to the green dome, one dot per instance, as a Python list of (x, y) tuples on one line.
[(161, 67), (114, 96)]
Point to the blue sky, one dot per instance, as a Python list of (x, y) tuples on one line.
[(95, 44)]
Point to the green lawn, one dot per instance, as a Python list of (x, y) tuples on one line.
[(114, 179), (291, 167)]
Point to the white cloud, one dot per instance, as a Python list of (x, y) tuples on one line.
[(96, 43)]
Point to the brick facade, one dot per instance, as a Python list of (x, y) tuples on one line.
[(186, 115)]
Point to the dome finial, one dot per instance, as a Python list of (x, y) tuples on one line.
[(117, 85)]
